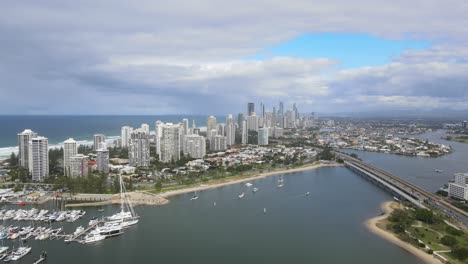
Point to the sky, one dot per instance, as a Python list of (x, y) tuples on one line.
[(212, 57)]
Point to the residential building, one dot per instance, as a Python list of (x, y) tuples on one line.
[(245, 133), (126, 131), (250, 109), (146, 128), (23, 147), (38, 158), (170, 143), (79, 166), (210, 125), (231, 134), (185, 126), (218, 143), (252, 122), (70, 149), (102, 160), (139, 149), (263, 136), (459, 188), (158, 134), (99, 140), (240, 120), (195, 146)]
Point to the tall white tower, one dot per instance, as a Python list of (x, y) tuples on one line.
[(126, 131), (23, 147), (39, 158), (70, 149)]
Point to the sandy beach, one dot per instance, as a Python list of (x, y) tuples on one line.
[(388, 208), (228, 181)]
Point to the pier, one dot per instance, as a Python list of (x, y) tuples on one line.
[(74, 238)]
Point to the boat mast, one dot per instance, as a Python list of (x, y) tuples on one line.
[(121, 195)]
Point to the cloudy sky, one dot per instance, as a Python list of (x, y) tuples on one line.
[(212, 57)]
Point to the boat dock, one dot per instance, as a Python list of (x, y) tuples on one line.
[(74, 237)]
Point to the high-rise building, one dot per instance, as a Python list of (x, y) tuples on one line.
[(230, 130), (39, 158), (195, 146), (263, 136), (222, 129), (218, 143), (23, 147), (281, 109), (464, 124), (79, 166), (240, 120), (210, 125), (185, 126), (126, 131), (146, 128), (250, 108), (170, 143), (158, 135), (245, 133), (102, 160), (70, 149), (99, 139), (252, 122), (139, 149)]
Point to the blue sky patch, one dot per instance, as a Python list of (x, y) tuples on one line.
[(352, 50)]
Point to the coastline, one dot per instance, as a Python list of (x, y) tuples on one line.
[(228, 181), (371, 225)]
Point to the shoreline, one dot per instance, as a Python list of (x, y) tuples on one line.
[(228, 181), (371, 225)]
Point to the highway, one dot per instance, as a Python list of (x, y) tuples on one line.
[(409, 188)]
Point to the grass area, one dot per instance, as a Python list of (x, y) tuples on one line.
[(413, 225)]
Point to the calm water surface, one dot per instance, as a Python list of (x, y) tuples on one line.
[(324, 227)]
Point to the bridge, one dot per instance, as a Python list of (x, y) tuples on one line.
[(402, 189)]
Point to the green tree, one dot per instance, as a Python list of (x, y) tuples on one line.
[(449, 240), (13, 160), (424, 215), (460, 252)]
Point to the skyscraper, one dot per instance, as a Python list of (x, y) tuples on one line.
[(252, 122), (218, 143), (158, 134), (23, 147), (250, 108), (146, 128), (230, 130), (263, 136), (39, 158), (240, 120), (170, 143), (185, 126), (210, 125), (102, 160), (126, 131), (245, 133), (195, 146), (99, 140), (139, 149), (70, 149), (79, 166)]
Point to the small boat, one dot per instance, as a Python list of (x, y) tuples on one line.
[(93, 221), (194, 197), (214, 203), (438, 170), (78, 230), (255, 189), (264, 210), (92, 238), (241, 195), (248, 184), (21, 252), (307, 193), (280, 185), (3, 249), (41, 258), (101, 210)]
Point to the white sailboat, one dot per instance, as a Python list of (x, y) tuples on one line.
[(127, 215)]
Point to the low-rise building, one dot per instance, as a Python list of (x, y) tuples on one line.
[(459, 188)]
